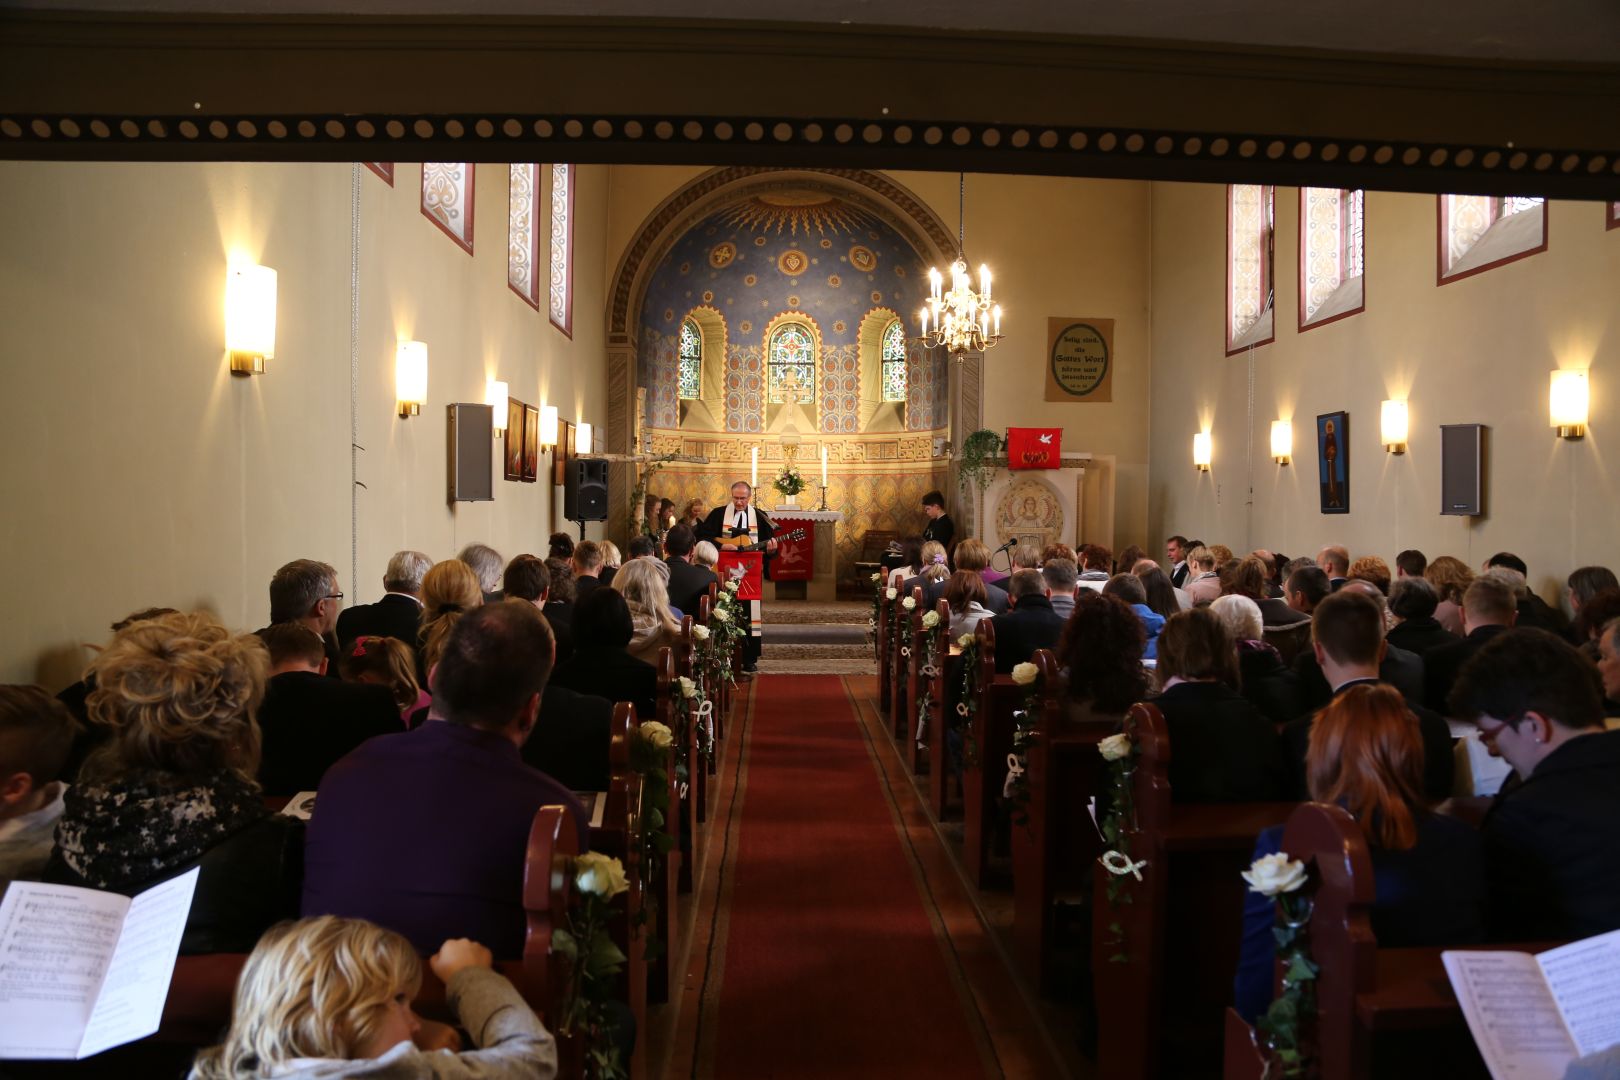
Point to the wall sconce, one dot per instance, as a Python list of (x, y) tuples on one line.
[(1568, 400), (1392, 426), (250, 317), (1202, 451), (548, 427), (496, 397), (582, 438), (410, 377), (1282, 441)]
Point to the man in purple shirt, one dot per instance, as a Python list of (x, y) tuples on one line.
[(426, 832)]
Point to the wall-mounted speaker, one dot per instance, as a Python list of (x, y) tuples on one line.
[(471, 433), (585, 490), (1462, 469)]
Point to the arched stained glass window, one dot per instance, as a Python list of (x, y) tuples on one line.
[(690, 376), (792, 364), (894, 362)]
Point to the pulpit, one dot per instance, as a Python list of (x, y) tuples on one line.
[(806, 562)]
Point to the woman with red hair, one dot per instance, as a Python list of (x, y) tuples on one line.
[(1366, 755)]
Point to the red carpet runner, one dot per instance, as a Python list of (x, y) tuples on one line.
[(832, 967)]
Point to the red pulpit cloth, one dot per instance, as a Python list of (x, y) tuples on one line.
[(1034, 447), (746, 567), (795, 549)]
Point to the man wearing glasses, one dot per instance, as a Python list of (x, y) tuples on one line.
[(306, 592)]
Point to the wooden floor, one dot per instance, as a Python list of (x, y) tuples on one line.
[(1021, 1036)]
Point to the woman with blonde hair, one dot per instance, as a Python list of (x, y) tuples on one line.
[(1450, 577), (327, 998), (388, 662), (171, 786), (449, 591), (644, 584), (1366, 755), (612, 559)]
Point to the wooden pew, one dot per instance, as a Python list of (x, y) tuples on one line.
[(916, 755), (1161, 1009), (720, 688), (683, 802), (983, 778), (885, 671), (943, 794), (616, 836), (1053, 854), (902, 630), (682, 650)]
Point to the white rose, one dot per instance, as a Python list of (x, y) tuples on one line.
[(600, 875), (720, 615), (930, 620), (1115, 747), (700, 632), (1024, 674), (1273, 875), (658, 734), (892, 593), (732, 586), (909, 603), (965, 640), (688, 687), (876, 578)]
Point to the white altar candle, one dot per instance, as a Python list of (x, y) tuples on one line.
[(823, 464), (753, 456)]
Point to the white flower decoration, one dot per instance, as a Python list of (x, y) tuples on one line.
[(965, 640), (658, 734), (700, 632), (721, 615), (732, 586), (876, 578), (1115, 747), (909, 603), (1024, 674), (930, 620), (688, 687), (600, 875), (892, 593), (1272, 875)]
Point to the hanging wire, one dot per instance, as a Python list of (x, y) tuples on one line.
[(961, 216)]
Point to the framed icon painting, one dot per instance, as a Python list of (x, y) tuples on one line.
[(514, 439), (1333, 461), (531, 443)]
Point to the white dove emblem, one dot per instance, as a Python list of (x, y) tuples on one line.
[(736, 573), (1046, 440)]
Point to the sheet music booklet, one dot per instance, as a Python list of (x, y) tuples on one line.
[(1531, 1015), (83, 970)]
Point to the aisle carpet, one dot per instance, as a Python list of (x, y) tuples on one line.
[(832, 965)]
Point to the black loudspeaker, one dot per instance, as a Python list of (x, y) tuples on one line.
[(1462, 469), (471, 434), (585, 490)]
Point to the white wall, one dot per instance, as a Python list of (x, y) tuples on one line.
[(1477, 350)]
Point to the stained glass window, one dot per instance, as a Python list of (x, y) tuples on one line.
[(447, 199), (690, 376), (792, 364), (562, 248), (1332, 240), (522, 237), (1249, 283), (894, 362), (1481, 231)]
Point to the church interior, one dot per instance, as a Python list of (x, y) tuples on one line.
[(699, 249)]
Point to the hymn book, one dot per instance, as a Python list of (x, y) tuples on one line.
[(81, 970), (1531, 1015)]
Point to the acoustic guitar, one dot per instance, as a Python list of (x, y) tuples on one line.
[(739, 541)]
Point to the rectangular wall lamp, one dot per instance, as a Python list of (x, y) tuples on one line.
[(1392, 426), (497, 398), (1568, 402), (250, 317), (1203, 451), (582, 439), (1282, 441), (410, 377)]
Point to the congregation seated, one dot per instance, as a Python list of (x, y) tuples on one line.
[(1060, 550), (488, 564), (1334, 561), (1128, 589), (1373, 570), (307, 721), (706, 555), (36, 736), (1096, 566), (327, 998), (1587, 627), (932, 571), (559, 545), (425, 832), (559, 609), (1203, 582), (1412, 602), (589, 562), (450, 590), (1101, 651), (1366, 756), (1552, 840), (306, 591), (1265, 680), (601, 661), (1401, 669), (643, 547), (965, 595), (911, 562), (75, 696), (1304, 588), (644, 585), (1252, 578), (1164, 598), (611, 561), (573, 740), (389, 663), (1533, 611), (172, 786), (528, 579), (1450, 577), (1347, 643), (399, 613), (1490, 609), (1585, 584), (1030, 624), (688, 582), (972, 555), (1062, 580), (1225, 748)]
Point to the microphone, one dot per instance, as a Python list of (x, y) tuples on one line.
[(1008, 546)]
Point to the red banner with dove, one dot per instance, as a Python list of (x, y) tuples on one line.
[(1034, 448)]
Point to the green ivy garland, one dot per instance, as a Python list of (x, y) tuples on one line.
[(967, 700), (1118, 828), (1016, 789), (1286, 1026), (649, 751), (980, 451), (928, 670)]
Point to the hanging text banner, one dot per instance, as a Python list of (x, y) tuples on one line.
[(1079, 359)]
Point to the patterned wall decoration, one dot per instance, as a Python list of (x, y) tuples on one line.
[(562, 248), (523, 233), (840, 389), (447, 199), (927, 380), (663, 404), (744, 377)]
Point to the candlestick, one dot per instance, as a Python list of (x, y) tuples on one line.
[(998, 320), (823, 465)]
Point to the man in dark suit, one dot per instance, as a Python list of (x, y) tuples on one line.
[(939, 528), (1489, 610), (587, 562), (1347, 642), (426, 832), (1401, 669), (1552, 841), (1413, 600), (1030, 625), (601, 663), (487, 563), (1175, 550), (572, 741), (687, 583), (528, 579), (1335, 563), (1533, 610), (399, 613), (740, 524), (306, 591), (308, 722)]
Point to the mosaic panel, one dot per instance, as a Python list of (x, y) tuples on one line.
[(840, 389), (744, 378), (658, 357), (926, 387)]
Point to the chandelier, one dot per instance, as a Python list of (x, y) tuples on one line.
[(961, 319)]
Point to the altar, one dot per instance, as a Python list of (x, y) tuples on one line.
[(806, 562)]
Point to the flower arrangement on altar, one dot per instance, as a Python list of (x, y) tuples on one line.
[(789, 482)]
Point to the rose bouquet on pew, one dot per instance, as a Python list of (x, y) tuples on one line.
[(593, 962), (649, 756), (1117, 824), (1283, 1027)]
